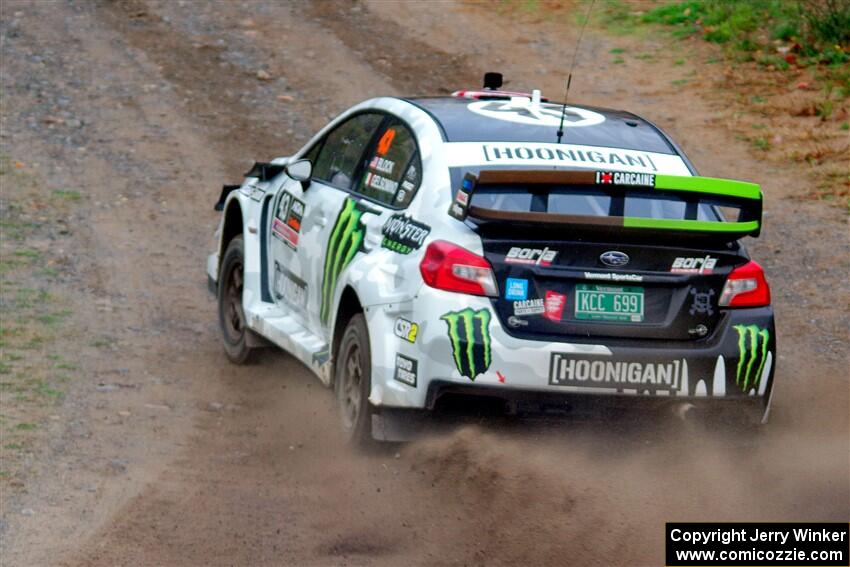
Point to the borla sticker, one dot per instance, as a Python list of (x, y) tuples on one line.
[(402, 234)]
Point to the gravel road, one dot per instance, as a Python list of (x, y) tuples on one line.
[(147, 107)]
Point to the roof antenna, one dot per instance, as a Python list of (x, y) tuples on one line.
[(570, 76)]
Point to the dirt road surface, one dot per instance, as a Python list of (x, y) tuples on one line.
[(188, 460)]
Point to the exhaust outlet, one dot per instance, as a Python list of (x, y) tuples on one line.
[(685, 411)]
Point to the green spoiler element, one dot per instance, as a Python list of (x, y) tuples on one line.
[(741, 195), (700, 226), (709, 185)]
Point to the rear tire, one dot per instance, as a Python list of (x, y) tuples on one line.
[(353, 382), (231, 315)]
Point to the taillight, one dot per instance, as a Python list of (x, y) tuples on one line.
[(745, 287), (452, 268)]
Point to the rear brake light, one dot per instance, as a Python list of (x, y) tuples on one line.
[(746, 286), (452, 268)]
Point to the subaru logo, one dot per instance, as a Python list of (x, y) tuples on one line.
[(614, 259)]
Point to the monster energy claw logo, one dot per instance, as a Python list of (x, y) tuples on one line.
[(345, 241), (469, 333), (752, 351)]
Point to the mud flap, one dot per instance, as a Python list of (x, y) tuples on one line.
[(396, 424), (253, 340)]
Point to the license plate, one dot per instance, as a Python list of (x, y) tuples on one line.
[(609, 303)]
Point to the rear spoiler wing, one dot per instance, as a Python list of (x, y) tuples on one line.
[(746, 197)]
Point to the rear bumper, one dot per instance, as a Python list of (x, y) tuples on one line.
[(476, 356)]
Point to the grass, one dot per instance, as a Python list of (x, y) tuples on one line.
[(783, 67), (34, 313)]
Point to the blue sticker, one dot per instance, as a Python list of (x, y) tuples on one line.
[(516, 289)]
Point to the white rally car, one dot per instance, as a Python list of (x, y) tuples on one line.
[(461, 245)]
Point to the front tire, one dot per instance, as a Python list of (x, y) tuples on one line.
[(231, 315), (353, 382)]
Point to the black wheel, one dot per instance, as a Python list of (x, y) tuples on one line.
[(231, 316), (353, 381)]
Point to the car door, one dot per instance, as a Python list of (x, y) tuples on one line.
[(298, 259), (353, 210)]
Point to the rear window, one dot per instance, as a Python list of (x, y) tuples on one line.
[(596, 202)]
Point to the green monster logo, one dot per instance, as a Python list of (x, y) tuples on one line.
[(469, 332), (752, 349), (345, 241)]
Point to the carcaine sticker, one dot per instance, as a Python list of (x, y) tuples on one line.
[(541, 114), (752, 354), (345, 241), (402, 234), (469, 334), (286, 225), (625, 178), (405, 370), (289, 287), (406, 329), (529, 307)]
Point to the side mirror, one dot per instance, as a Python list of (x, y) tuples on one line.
[(300, 170)]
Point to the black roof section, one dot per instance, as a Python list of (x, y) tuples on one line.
[(605, 127)]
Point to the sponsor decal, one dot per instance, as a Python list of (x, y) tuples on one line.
[(702, 302), (286, 225), (532, 256), (402, 234), (500, 376), (382, 165), (345, 241), (591, 157), (406, 370), (529, 307), (289, 287), (686, 265), (566, 369), (516, 289), (541, 114), (406, 329), (514, 321), (458, 207), (614, 258), (464, 154), (469, 334), (752, 354), (625, 178), (554, 304), (381, 183), (386, 142), (611, 277)]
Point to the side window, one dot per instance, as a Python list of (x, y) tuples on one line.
[(393, 169), (339, 158), (312, 153)]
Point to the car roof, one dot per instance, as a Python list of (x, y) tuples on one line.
[(519, 120)]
